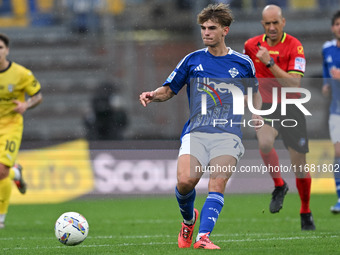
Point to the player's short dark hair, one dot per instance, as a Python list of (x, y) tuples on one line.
[(335, 17), (5, 39), (219, 13)]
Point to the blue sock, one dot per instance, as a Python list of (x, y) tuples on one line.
[(186, 204), (210, 212), (337, 175)]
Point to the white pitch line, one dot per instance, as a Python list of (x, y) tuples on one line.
[(166, 221), (174, 243), (225, 220), (161, 236)]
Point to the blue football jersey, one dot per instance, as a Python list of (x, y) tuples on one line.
[(331, 59), (215, 88)]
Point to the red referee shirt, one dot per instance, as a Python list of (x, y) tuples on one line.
[(287, 54)]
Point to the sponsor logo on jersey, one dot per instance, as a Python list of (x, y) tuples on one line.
[(7, 99), (212, 88), (274, 52)]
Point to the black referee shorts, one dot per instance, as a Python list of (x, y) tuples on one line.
[(292, 126)]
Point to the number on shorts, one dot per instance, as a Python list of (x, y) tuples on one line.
[(10, 146), (237, 143)]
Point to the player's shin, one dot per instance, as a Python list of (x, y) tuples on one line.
[(5, 194), (336, 169), (186, 205), (303, 186), (271, 160), (211, 210)]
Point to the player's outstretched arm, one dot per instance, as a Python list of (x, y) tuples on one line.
[(161, 94), (30, 103)]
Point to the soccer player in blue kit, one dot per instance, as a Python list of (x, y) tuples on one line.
[(331, 75), (212, 135)]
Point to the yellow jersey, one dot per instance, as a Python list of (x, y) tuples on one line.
[(15, 82)]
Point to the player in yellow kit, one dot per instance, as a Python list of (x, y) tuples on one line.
[(15, 83)]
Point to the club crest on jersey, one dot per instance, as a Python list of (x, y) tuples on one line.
[(10, 87), (233, 72), (329, 59)]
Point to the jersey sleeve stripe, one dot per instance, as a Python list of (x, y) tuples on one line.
[(329, 44), (36, 93), (297, 72), (246, 58), (181, 62)]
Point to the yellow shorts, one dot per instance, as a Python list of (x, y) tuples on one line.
[(10, 141)]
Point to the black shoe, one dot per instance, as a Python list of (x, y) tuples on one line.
[(277, 198), (307, 222)]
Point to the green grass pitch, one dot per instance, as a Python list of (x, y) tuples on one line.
[(150, 225)]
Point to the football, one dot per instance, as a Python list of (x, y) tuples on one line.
[(71, 228)]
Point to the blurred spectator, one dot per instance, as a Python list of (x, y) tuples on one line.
[(86, 14), (235, 4), (5, 8), (328, 4), (184, 4), (261, 3), (107, 119)]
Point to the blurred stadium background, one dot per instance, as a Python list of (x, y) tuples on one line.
[(74, 47)]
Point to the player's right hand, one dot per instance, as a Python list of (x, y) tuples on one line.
[(21, 106), (146, 97), (263, 55), (326, 90), (258, 121)]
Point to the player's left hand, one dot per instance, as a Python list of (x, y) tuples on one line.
[(263, 55), (258, 121), (21, 106), (335, 73)]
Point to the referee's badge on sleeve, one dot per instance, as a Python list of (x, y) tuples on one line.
[(300, 64)]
